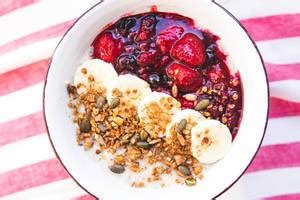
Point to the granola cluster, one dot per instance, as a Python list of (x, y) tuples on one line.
[(115, 127)]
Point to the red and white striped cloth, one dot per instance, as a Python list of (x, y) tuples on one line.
[(30, 30)]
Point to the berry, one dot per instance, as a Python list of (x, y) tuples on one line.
[(185, 103), (106, 47), (147, 58), (147, 28), (154, 80), (124, 25), (168, 37), (185, 78), (126, 62), (189, 50)]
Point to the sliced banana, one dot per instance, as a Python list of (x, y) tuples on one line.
[(129, 90), (211, 141), (187, 118), (156, 112), (96, 73)]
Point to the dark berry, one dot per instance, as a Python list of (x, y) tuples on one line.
[(124, 25), (147, 28), (210, 54), (154, 80), (127, 62)]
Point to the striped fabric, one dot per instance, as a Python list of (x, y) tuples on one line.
[(31, 29)]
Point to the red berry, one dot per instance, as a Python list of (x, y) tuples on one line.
[(168, 37), (185, 78), (147, 58), (190, 50), (106, 47)]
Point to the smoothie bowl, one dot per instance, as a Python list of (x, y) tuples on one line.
[(155, 99)]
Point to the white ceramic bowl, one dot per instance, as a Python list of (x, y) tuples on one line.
[(91, 174)]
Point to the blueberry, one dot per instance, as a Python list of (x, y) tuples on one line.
[(127, 62), (211, 54), (154, 80), (124, 25)]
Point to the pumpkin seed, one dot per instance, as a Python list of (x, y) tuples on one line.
[(85, 126), (182, 125), (184, 170), (190, 181), (118, 169), (101, 101), (114, 103), (143, 135), (201, 105), (144, 145)]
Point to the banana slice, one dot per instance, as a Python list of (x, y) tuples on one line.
[(129, 90), (96, 73), (156, 111), (186, 119), (211, 141)]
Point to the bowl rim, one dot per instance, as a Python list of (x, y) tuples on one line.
[(266, 79)]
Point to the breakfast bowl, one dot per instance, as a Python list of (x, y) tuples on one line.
[(242, 58)]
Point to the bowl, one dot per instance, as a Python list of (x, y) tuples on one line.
[(92, 175)]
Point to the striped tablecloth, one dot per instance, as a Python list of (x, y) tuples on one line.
[(29, 32)]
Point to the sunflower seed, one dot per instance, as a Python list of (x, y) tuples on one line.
[(190, 97)]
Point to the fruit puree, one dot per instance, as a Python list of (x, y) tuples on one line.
[(175, 57)]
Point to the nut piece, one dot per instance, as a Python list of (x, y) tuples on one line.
[(182, 125), (201, 105), (118, 169), (143, 135), (184, 170), (102, 127), (190, 181), (181, 139), (115, 102), (85, 126), (179, 159)]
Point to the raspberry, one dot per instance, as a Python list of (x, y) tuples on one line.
[(106, 47)]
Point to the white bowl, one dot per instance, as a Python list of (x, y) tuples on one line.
[(93, 175)]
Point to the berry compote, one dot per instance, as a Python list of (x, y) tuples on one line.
[(175, 57)]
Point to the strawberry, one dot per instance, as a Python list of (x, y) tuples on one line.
[(168, 37), (185, 78), (189, 50), (106, 47)]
